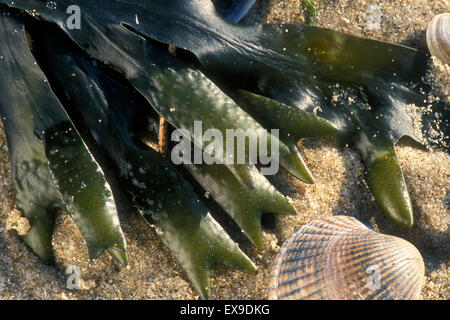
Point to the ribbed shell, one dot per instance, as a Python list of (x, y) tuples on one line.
[(338, 258), (438, 37)]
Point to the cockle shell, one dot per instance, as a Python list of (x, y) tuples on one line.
[(338, 257), (438, 37)]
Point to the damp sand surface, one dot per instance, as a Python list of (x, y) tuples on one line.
[(339, 189)]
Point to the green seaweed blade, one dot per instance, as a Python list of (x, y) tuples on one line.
[(243, 205), (276, 61), (40, 134), (181, 87), (385, 179), (84, 191), (384, 175), (154, 75), (156, 189), (35, 194), (293, 122)]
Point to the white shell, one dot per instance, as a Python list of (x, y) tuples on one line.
[(338, 257), (438, 37)]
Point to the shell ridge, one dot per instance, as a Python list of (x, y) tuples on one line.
[(343, 263), (384, 263), (389, 287), (274, 283)]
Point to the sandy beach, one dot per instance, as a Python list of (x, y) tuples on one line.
[(340, 188)]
